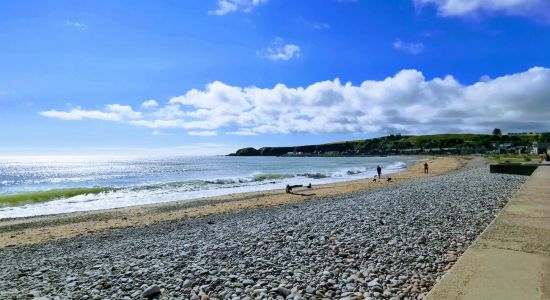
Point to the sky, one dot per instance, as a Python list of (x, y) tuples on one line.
[(210, 76)]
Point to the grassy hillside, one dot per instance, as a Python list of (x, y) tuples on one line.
[(396, 144), (440, 137)]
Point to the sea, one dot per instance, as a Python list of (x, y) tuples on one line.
[(31, 186)]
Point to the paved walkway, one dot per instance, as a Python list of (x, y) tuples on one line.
[(511, 259)]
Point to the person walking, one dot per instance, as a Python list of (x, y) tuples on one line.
[(426, 167), (379, 171)]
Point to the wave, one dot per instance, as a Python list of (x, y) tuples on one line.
[(175, 184), (314, 175), (22, 198), (43, 196), (262, 177), (197, 183), (397, 165), (254, 178), (228, 180), (354, 172)]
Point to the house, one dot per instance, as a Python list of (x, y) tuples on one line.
[(503, 148), (517, 149), (410, 150), (294, 153), (540, 148)]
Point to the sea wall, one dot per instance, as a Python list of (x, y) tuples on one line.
[(514, 169)]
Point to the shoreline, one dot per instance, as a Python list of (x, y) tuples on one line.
[(36, 229), (247, 175)]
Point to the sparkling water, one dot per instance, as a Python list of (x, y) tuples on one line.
[(51, 185)]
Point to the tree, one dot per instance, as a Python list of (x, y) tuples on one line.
[(497, 132)]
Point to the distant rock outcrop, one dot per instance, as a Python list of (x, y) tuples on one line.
[(249, 151)]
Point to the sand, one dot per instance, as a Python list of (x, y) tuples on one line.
[(22, 231)]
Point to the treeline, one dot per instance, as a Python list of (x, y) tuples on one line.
[(401, 144)]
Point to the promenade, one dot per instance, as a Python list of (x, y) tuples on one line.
[(511, 259)]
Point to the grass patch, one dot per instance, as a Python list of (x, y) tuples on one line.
[(510, 158), (43, 196), (440, 137)]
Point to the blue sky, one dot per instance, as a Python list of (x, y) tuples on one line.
[(188, 77)]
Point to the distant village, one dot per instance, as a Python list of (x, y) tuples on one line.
[(536, 148)]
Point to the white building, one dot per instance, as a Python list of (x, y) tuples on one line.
[(540, 148)]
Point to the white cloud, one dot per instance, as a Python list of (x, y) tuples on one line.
[(111, 112), (411, 48), (535, 8), (203, 133), (280, 51), (75, 24), (229, 6), (159, 123), (485, 78), (149, 104), (406, 102), (124, 111), (79, 114), (157, 132), (243, 132)]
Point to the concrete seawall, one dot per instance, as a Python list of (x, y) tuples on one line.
[(511, 258), (513, 169)]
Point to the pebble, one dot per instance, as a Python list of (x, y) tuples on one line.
[(248, 282), (451, 258), (187, 283), (151, 291), (283, 291)]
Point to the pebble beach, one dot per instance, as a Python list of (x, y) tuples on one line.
[(391, 242)]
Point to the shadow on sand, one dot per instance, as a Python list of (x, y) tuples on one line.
[(303, 194)]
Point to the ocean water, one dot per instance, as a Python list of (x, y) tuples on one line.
[(54, 185)]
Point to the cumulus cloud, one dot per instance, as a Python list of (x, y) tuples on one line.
[(485, 78), (79, 114), (242, 132), (535, 8), (229, 6), (411, 48), (406, 102), (111, 112), (280, 51), (123, 111), (149, 104)]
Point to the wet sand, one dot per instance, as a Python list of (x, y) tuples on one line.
[(32, 230)]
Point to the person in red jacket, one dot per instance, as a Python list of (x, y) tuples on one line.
[(426, 167)]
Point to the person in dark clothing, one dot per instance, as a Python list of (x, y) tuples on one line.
[(426, 167), (379, 171)]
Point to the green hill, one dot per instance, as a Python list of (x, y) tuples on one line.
[(401, 144)]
